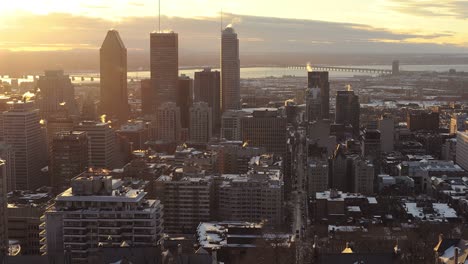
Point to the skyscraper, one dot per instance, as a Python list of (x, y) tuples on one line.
[(168, 122), (69, 157), (230, 70), (313, 104), (207, 88), (348, 110), (22, 132), (102, 144), (200, 122), (3, 206), (113, 61), (320, 79), (55, 89), (164, 67)]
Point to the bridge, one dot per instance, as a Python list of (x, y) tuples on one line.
[(341, 69)]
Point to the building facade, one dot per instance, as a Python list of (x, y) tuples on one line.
[(230, 70)]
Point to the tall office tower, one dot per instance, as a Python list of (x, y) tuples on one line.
[(55, 89), (99, 210), (200, 123), (320, 80), (146, 97), (102, 144), (318, 133), (265, 129), (458, 122), (313, 105), (230, 70), (187, 202), (317, 175), (386, 126), (69, 157), (341, 178), (3, 206), (168, 123), (113, 61), (371, 147), (231, 124), (207, 88), (164, 68), (22, 132), (348, 110), (363, 176), (462, 149), (184, 99)]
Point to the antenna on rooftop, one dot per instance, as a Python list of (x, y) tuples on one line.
[(159, 16)]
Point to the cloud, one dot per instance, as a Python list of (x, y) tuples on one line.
[(448, 8), (201, 34)]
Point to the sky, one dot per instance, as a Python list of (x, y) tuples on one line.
[(262, 25)]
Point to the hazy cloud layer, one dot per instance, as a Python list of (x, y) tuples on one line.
[(446, 8), (257, 34)]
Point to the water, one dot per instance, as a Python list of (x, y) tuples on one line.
[(262, 72)]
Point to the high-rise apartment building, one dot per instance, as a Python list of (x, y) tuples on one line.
[(164, 62), (316, 79), (207, 88), (22, 131), (68, 158), (200, 123), (101, 142), (230, 70), (363, 176), (266, 129), (56, 89), (348, 110), (98, 210), (113, 62), (168, 122)]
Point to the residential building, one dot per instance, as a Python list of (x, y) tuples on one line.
[(201, 123)]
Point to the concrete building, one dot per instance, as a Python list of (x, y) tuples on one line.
[(458, 122), (207, 88), (201, 123), (164, 62), (99, 210), (320, 79), (8, 156), (187, 202), (230, 70), (68, 158), (386, 126), (55, 89), (371, 146), (462, 149), (317, 176), (449, 150), (363, 176), (318, 132), (22, 131), (101, 144), (25, 209), (231, 124), (168, 125), (348, 110), (233, 156), (58, 123), (136, 132), (267, 129), (113, 77)]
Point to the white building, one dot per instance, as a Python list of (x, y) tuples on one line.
[(201, 122), (96, 210)]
